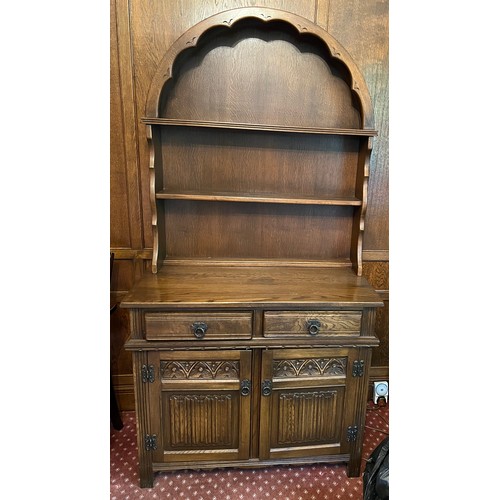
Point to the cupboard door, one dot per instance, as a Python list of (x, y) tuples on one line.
[(306, 402), (201, 406)]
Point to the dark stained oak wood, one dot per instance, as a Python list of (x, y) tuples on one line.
[(229, 20), (186, 91), (252, 464), (253, 333), (311, 324), (146, 31), (212, 286), (198, 394), (237, 161), (358, 25), (214, 230), (309, 399), (257, 343), (141, 34), (259, 127), (255, 198), (182, 326)]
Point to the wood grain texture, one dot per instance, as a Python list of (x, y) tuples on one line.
[(377, 274), (200, 160), (143, 420), (238, 77), (175, 325), (195, 370), (213, 286), (153, 27), (309, 367), (200, 420), (257, 198), (305, 420), (381, 354), (213, 230), (156, 176), (125, 211), (310, 416), (376, 255), (360, 387), (363, 29), (206, 421), (126, 224), (124, 390), (260, 127), (119, 216), (361, 192), (277, 323), (227, 69), (334, 53), (120, 360)]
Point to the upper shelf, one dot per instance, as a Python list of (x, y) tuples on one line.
[(260, 127)]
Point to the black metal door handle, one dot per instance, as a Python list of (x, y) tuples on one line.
[(245, 387), (266, 387)]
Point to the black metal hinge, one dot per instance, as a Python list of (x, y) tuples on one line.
[(148, 373), (352, 433), (150, 442), (358, 368)]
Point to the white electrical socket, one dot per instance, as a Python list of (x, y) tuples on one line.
[(380, 390)]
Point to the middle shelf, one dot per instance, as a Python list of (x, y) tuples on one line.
[(256, 198)]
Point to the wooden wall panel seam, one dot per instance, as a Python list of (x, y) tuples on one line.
[(122, 113), (129, 121), (321, 14)]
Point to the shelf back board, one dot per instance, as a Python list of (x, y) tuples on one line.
[(218, 230), (258, 162)]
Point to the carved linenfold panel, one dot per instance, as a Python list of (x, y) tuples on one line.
[(200, 420), (306, 417), (309, 367), (184, 370)]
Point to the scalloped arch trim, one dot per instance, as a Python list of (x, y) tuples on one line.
[(230, 19)]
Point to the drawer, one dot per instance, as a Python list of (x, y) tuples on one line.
[(312, 323), (203, 325)]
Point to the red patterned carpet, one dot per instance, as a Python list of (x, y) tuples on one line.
[(312, 482)]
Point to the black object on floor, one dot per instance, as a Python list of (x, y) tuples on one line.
[(376, 475)]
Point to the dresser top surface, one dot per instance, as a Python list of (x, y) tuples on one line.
[(251, 286)]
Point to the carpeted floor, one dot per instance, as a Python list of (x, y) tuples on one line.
[(312, 482)]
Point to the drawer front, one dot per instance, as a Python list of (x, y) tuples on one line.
[(202, 326), (311, 323)]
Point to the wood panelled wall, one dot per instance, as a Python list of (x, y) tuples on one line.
[(141, 32)]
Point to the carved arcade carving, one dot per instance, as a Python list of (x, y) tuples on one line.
[(309, 367), (175, 370)]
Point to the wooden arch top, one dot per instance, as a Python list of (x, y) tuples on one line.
[(229, 19)]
